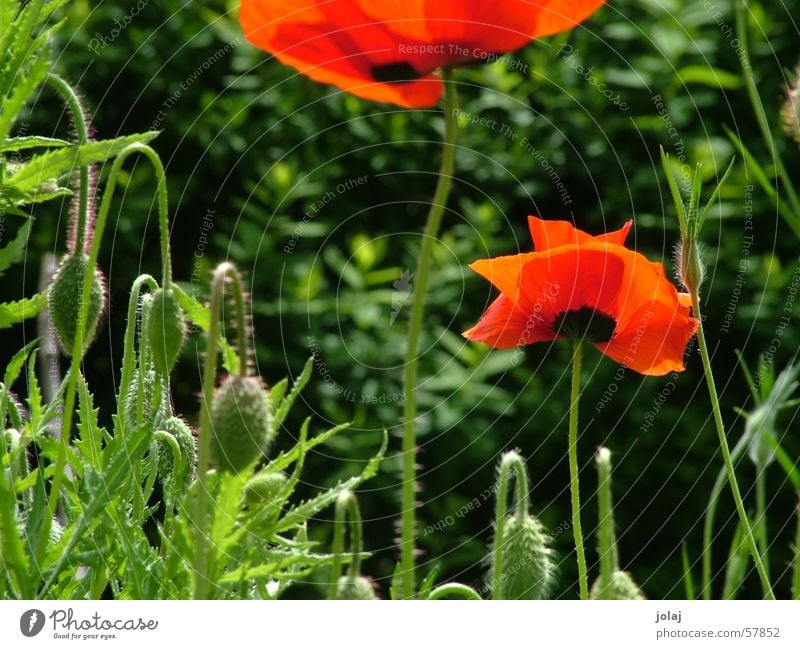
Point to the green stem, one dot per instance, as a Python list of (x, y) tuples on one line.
[(758, 108), (409, 447), (511, 464), (200, 568), (726, 454), (77, 347), (760, 526), (796, 566), (609, 558), (72, 100), (453, 591), (346, 507), (577, 532)]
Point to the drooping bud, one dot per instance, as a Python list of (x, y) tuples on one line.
[(527, 570), (155, 408), (263, 489), (166, 329), (241, 418), (622, 587), (180, 430), (354, 588), (64, 299), (790, 114)]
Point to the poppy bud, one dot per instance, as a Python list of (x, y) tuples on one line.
[(622, 587), (791, 109), (527, 567), (354, 588), (166, 329), (241, 417), (152, 415), (264, 488), (691, 271), (64, 298), (180, 430)]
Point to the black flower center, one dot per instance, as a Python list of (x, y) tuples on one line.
[(395, 72), (594, 326)]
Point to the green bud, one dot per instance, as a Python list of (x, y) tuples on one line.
[(64, 298), (241, 417), (354, 588), (166, 329), (691, 271), (527, 567), (622, 587), (790, 113), (152, 415), (264, 488), (180, 430)]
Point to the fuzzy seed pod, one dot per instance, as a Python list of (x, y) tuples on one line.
[(241, 417), (64, 297), (354, 588), (790, 113), (180, 430), (264, 488), (528, 570), (152, 415), (166, 329), (622, 587)]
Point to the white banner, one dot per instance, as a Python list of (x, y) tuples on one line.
[(399, 625)]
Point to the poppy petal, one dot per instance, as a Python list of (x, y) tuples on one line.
[(568, 279), (503, 272), (560, 15), (654, 341), (552, 234), (335, 42), (502, 326)]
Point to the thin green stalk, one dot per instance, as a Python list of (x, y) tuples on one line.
[(346, 508), (222, 273), (77, 347), (421, 279), (796, 567), (573, 468), (726, 454), (758, 108), (511, 465), (609, 558), (760, 525), (72, 100)]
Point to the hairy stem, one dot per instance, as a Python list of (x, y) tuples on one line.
[(574, 487), (511, 465)]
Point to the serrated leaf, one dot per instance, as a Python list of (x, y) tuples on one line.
[(54, 164), (91, 434), (17, 362), (13, 251), (12, 313), (31, 142), (282, 411)]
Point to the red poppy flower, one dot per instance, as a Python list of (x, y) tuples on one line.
[(576, 285), (388, 50)]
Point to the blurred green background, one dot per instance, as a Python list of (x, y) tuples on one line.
[(251, 150)]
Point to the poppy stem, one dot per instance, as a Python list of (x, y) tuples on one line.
[(409, 446), (726, 453), (573, 468)]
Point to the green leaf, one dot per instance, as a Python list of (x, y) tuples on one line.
[(31, 142), (13, 251), (53, 164), (91, 434), (708, 76), (12, 313), (17, 362), (285, 406)]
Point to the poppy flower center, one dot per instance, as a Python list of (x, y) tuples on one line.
[(401, 72), (594, 326)]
